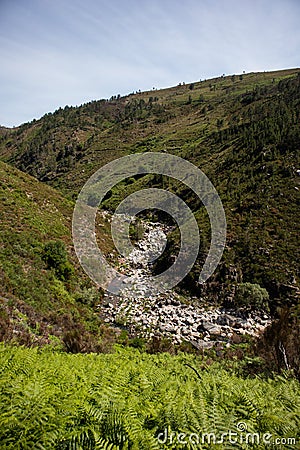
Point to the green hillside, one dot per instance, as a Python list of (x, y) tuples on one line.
[(45, 298), (241, 130), (66, 146)]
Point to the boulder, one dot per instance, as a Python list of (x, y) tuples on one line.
[(226, 319), (211, 328)]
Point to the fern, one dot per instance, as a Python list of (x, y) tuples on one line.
[(125, 400)]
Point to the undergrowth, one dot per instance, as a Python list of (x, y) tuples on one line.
[(127, 400)]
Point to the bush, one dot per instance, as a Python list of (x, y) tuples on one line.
[(88, 297), (55, 256), (137, 342), (252, 296)]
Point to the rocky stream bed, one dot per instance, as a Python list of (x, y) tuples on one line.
[(148, 313)]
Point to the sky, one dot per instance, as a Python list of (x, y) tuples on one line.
[(68, 52)]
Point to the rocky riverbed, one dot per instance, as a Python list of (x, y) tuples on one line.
[(148, 313)]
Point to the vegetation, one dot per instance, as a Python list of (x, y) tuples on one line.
[(128, 400), (55, 255), (44, 295), (248, 294), (244, 133)]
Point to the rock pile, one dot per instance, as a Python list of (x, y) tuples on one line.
[(148, 313)]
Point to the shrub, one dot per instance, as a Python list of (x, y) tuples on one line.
[(55, 256), (137, 342), (88, 296), (252, 296)]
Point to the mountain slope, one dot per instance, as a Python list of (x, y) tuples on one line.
[(44, 295), (242, 131), (68, 145)]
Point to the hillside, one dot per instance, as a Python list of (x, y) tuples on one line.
[(63, 148), (242, 131), (45, 298), (199, 362)]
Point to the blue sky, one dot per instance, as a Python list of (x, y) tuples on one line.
[(59, 52)]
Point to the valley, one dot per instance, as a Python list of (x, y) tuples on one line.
[(86, 368), (150, 314)]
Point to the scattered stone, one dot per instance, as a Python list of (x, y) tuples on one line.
[(204, 345), (147, 312)]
